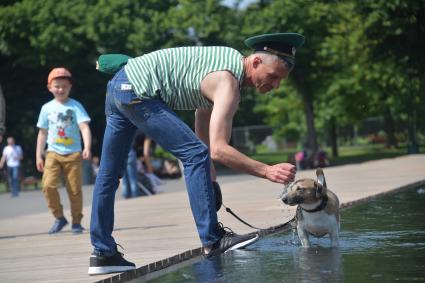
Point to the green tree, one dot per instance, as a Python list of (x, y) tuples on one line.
[(36, 36), (343, 100), (396, 35), (312, 19)]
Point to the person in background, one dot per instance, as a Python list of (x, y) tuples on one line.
[(95, 166), (60, 122), (129, 185), (145, 147), (321, 159), (301, 159), (12, 156)]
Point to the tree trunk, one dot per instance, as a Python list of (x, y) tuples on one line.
[(388, 122), (413, 146), (333, 137), (389, 128), (311, 142)]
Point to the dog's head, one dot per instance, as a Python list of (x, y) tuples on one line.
[(305, 190)]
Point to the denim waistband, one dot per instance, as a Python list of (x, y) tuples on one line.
[(121, 76), (121, 88)]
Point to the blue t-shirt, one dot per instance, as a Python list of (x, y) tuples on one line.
[(61, 121)]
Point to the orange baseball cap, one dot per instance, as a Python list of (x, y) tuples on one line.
[(58, 73)]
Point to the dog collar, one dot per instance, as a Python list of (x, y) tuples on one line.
[(321, 206)]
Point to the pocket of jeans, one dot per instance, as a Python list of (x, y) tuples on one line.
[(124, 93), (144, 109), (125, 97)]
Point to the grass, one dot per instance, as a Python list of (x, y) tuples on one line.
[(3, 187), (347, 154)]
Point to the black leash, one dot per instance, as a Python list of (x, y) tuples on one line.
[(219, 203), (240, 219)]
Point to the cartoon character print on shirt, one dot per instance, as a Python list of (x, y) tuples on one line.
[(62, 122)]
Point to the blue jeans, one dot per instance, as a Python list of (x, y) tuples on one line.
[(124, 113), (129, 179), (14, 182)]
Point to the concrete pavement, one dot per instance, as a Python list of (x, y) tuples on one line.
[(158, 227)]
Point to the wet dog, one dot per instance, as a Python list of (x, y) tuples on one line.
[(317, 211)]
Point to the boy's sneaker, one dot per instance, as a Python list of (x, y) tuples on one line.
[(58, 225), (77, 229), (231, 241), (109, 264)]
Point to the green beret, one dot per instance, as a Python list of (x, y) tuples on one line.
[(283, 45), (111, 63)]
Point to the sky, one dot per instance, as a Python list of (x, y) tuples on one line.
[(243, 4)]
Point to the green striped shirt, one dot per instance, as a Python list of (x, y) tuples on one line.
[(174, 75)]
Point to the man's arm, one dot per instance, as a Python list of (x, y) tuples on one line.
[(41, 144), (202, 124), (86, 134), (223, 89)]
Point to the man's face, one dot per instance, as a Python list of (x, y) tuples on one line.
[(60, 88), (267, 76)]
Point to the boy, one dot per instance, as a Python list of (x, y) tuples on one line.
[(59, 124)]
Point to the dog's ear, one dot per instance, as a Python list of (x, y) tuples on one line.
[(321, 182), (319, 190)]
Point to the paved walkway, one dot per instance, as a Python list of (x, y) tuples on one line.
[(161, 226)]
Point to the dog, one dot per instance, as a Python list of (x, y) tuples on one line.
[(317, 211)]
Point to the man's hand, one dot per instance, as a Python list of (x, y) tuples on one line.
[(281, 173)]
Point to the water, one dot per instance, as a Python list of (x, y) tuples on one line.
[(381, 241)]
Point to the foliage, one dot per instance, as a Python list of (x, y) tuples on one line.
[(361, 58), (396, 30)]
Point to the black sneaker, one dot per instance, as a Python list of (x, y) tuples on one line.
[(109, 264), (58, 225), (231, 241)]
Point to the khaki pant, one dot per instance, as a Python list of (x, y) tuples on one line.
[(71, 166)]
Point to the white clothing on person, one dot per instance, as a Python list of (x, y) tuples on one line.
[(13, 155)]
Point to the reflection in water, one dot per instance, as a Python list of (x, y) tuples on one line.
[(318, 264), (284, 264), (208, 270), (381, 241)]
